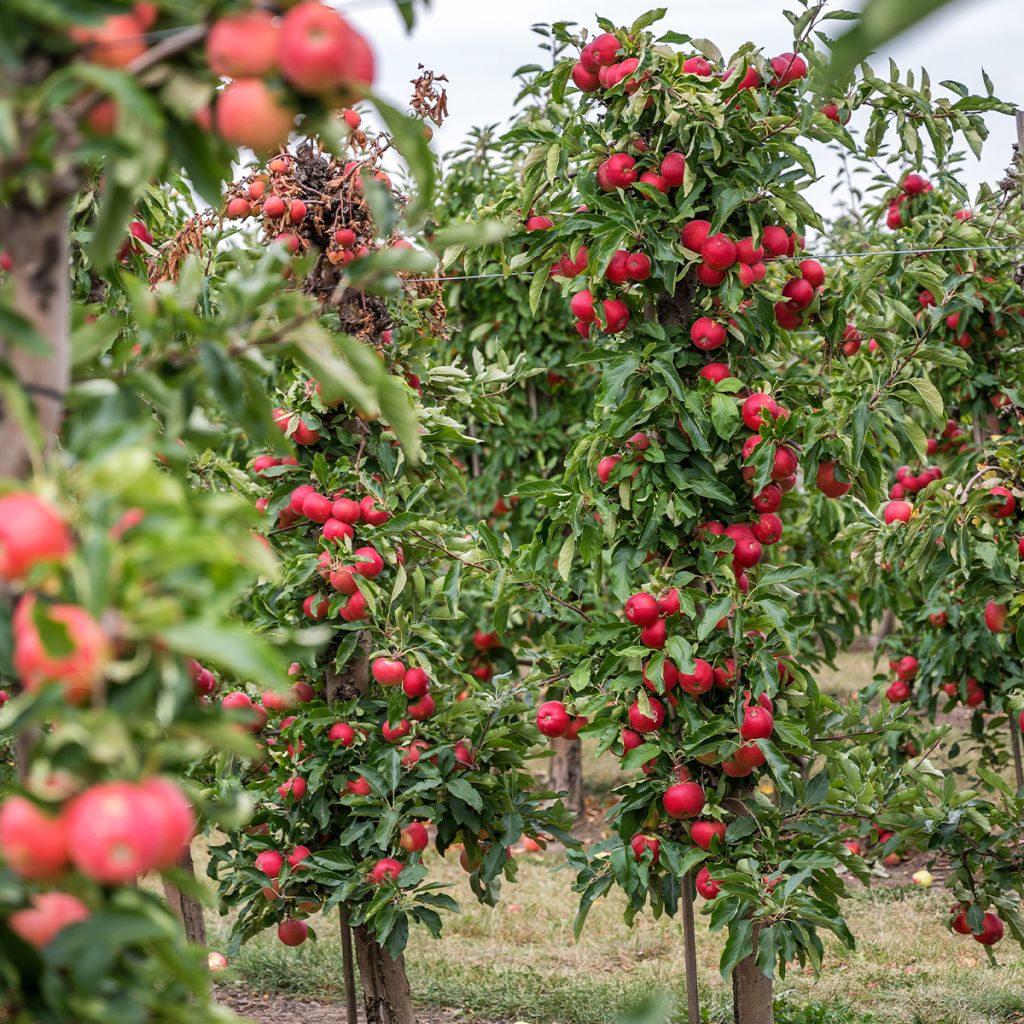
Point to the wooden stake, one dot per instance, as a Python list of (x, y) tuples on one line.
[(690, 953), (1018, 768), (347, 965)]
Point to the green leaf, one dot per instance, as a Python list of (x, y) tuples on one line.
[(462, 790), (565, 556), (229, 646)]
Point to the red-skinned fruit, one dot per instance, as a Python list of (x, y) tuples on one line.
[(828, 483), (768, 528), (415, 683), (798, 293), (995, 617), (747, 252), (654, 635), (386, 869), (31, 531), (244, 45), (700, 680), (684, 800), (710, 277), (703, 832), (754, 410), (639, 844), (768, 499), (249, 113), (292, 932), (605, 49), (584, 80), (673, 169), (813, 272), (668, 603), (113, 833), (394, 733), (991, 930), (581, 305), (368, 563), (758, 723), (48, 914), (319, 51), (642, 722), (715, 372), (694, 234), (938, 619), (1001, 503), (706, 334), (775, 241), (422, 709), (897, 512), (79, 670), (414, 837), (342, 733), (358, 786), (718, 251), (371, 513), (706, 885), (33, 844), (642, 609), (387, 671), (552, 718)]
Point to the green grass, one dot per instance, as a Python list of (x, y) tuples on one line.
[(518, 961)]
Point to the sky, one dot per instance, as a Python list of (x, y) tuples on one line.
[(479, 43)]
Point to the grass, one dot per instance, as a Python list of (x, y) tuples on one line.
[(518, 961)]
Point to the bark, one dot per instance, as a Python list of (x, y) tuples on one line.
[(386, 995), (37, 241), (751, 993), (565, 773), (885, 627), (187, 909)]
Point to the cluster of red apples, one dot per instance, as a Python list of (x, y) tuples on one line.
[(599, 67), (111, 833), (337, 516), (312, 47)]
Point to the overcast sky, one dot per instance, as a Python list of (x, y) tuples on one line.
[(479, 43)]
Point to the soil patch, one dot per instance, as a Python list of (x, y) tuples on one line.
[(266, 1008)]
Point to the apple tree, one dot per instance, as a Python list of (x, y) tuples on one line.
[(720, 392), (388, 743)]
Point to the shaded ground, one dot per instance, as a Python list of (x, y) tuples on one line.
[(264, 1008)]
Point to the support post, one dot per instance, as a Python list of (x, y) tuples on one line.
[(348, 966), (690, 953)]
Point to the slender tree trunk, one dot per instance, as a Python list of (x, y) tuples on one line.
[(187, 909), (751, 992), (37, 241), (386, 995), (565, 772), (885, 627)]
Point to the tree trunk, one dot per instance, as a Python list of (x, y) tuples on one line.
[(565, 773), (751, 993), (885, 627), (386, 995), (37, 241), (187, 909)]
